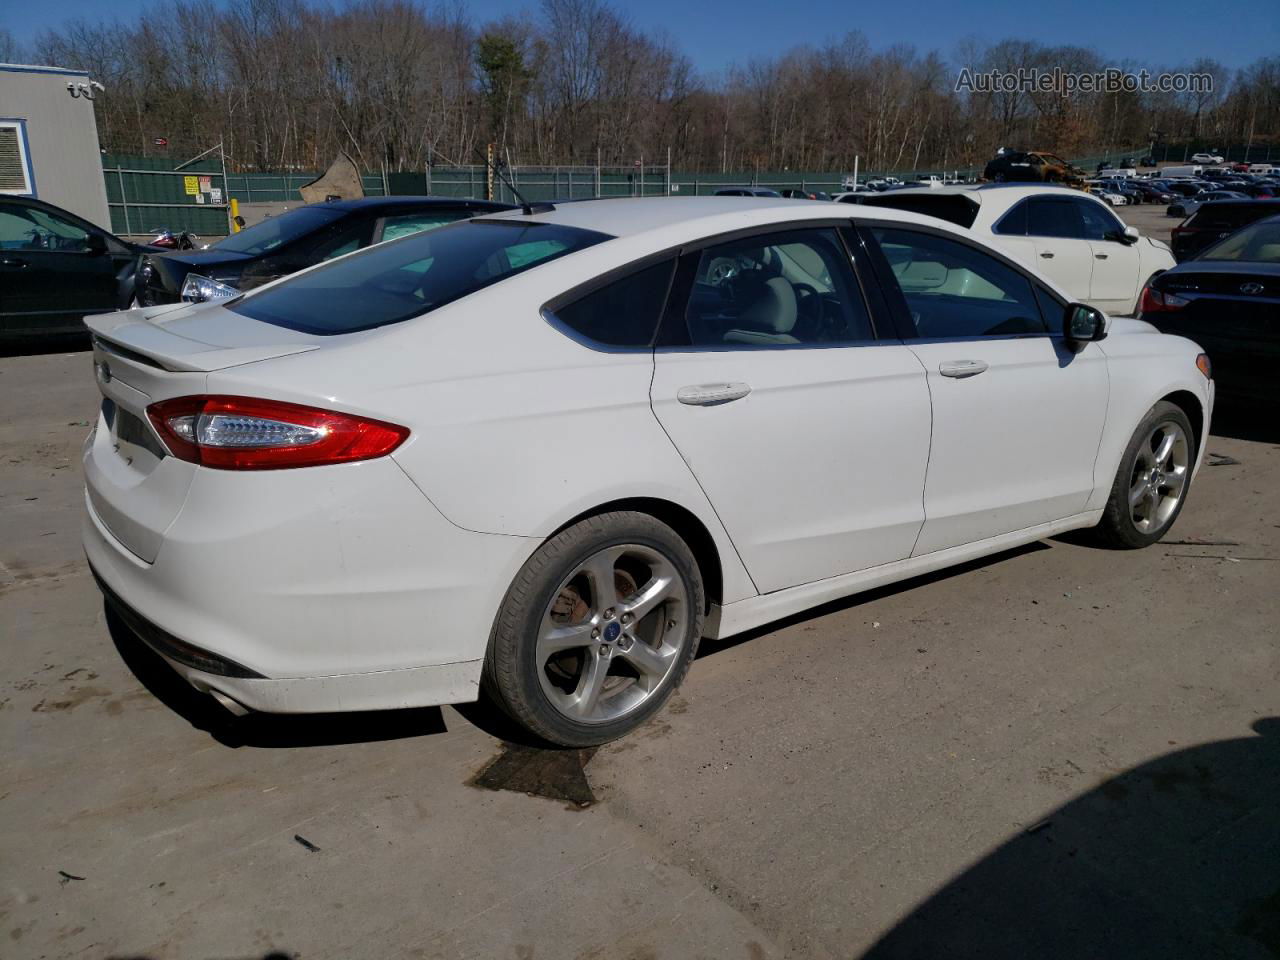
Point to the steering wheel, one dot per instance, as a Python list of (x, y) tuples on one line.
[(721, 269)]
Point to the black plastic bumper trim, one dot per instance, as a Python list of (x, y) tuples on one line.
[(167, 645)]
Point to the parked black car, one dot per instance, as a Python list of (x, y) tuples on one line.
[(290, 242), (1031, 166), (55, 268), (1214, 221), (1228, 300)]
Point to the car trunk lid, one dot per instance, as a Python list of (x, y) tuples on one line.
[(135, 488)]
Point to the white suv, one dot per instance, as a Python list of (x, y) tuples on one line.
[(1071, 237), (1206, 158)]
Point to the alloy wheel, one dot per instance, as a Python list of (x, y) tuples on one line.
[(1159, 480), (612, 633)]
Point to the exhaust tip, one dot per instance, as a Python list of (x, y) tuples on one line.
[(234, 707)]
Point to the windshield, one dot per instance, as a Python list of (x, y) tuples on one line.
[(405, 278), (277, 231), (1257, 243)]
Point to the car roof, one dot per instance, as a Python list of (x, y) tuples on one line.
[(695, 216), (367, 203)]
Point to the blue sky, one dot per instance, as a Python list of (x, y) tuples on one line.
[(714, 35)]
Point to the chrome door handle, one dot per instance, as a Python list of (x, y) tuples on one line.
[(1047, 254), (712, 394), (961, 368), (12, 262)]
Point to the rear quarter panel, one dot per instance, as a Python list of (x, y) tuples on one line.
[(516, 427)]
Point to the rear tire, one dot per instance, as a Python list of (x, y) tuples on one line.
[(597, 630), (1152, 482)]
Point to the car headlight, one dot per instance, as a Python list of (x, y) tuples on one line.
[(198, 289)]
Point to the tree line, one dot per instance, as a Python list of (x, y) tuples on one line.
[(286, 84)]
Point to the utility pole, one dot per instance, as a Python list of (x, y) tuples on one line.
[(488, 176)]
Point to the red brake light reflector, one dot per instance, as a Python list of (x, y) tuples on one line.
[(244, 433)]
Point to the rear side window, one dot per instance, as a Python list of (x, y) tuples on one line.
[(778, 289), (1054, 218), (1014, 223), (623, 313), (395, 281)]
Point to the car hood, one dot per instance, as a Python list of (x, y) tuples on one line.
[(204, 258), (1119, 326)]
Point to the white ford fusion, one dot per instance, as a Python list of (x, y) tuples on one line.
[(545, 451)]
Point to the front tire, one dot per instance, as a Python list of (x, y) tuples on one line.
[(1153, 480), (597, 630)]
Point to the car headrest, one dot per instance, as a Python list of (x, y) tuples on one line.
[(774, 309)]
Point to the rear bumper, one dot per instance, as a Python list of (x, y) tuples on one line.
[(326, 589)]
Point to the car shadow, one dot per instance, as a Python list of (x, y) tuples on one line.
[(1179, 857), (1240, 421), (710, 647), (264, 730)]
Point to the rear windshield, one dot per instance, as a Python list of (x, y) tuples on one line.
[(1228, 216), (277, 231), (951, 207), (405, 278), (1260, 243)]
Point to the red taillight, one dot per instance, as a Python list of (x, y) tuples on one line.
[(242, 433), (1153, 301)]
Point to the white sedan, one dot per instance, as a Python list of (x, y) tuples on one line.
[(1069, 236), (546, 451)]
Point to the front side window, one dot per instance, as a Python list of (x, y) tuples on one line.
[(791, 287), (29, 228), (953, 290), (1053, 218), (1099, 224), (393, 282), (623, 313)]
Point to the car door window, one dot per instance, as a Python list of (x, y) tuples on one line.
[(1053, 218), (779, 289), (1013, 223), (622, 313), (404, 224), (28, 228), (1098, 222), (953, 290)]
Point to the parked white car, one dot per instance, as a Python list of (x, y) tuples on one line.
[(1070, 236), (1107, 196), (1206, 158), (548, 451)]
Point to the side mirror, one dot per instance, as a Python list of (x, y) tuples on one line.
[(1131, 235), (96, 244), (1082, 323)]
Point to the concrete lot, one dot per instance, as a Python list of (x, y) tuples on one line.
[(1058, 752), (1150, 218)]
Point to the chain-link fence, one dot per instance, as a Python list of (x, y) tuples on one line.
[(149, 193)]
